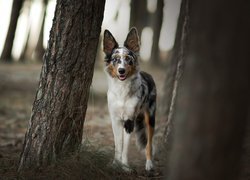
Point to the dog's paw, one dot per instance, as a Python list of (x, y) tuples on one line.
[(127, 169), (116, 163), (149, 165), (119, 166)]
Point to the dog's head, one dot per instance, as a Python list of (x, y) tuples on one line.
[(121, 62)]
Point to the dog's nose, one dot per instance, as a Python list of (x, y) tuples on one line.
[(121, 70)]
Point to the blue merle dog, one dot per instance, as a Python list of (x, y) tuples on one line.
[(131, 97)]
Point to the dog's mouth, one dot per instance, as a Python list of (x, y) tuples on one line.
[(122, 77)]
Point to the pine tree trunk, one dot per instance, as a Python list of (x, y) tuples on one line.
[(16, 8), (56, 123), (175, 70), (213, 96)]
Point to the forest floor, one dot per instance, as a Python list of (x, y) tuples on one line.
[(18, 83)]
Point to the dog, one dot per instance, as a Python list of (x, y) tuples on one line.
[(131, 97)]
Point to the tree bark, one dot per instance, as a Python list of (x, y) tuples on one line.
[(175, 70), (16, 8), (213, 96), (56, 123)]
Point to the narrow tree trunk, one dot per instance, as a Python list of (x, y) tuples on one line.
[(138, 15), (16, 8), (175, 70), (213, 96), (156, 25), (27, 51), (39, 50), (56, 123)]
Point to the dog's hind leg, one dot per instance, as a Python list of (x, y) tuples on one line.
[(150, 132)]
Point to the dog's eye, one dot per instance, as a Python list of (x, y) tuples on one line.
[(116, 60), (129, 60)]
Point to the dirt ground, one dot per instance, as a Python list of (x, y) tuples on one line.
[(18, 83)]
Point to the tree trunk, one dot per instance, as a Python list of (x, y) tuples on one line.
[(56, 123), (138, 15), (213, 96), (16, 8), (156, 26), (39, 50), (175, 70), (27, 50), (245, 159)]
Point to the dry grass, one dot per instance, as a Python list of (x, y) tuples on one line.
[(90, 163)]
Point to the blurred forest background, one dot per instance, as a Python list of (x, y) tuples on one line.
[(203, 127), (24, 34), (25, 29)]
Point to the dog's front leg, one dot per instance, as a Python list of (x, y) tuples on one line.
[(118, 138), (128, 129), (126, 140)]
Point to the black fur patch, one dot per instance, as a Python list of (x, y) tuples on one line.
[(129, 126), (141, 137), (148, 78), (150, 99)]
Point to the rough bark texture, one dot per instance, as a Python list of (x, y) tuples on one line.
[(16, 8), (213, 96), (58, 113), (175, 70)]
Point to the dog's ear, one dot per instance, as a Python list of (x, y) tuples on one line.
[(132, 41), (109, 42)]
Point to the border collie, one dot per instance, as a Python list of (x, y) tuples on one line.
[(131, 97)]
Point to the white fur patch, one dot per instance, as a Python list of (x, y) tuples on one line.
[(121, 105), (149, 165)]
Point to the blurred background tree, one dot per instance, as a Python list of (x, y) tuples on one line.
[(212, 103), (174, 72), (8, 45), (24, 36)]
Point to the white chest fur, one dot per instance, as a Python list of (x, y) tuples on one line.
[(122, 101)]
